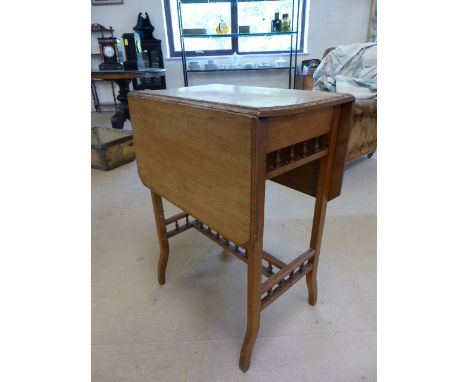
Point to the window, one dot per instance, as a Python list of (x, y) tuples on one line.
[(206, 14)]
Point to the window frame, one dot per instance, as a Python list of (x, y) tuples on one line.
[(234, 40)]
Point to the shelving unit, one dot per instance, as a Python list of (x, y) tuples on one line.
[(240, 34), (291, 69)]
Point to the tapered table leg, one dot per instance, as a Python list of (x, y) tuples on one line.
[(254, 256), (254, 281), (320, 209), (317, 230), (162, 236)]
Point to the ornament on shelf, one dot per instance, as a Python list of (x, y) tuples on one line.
[(222, 27)]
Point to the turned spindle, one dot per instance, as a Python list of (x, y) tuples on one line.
[(291, 154), (269, 293), (270, 268), (304, 149), (278, 159), (317, 144)]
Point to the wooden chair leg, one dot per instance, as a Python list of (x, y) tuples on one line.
[(162, 236), (254, 281)]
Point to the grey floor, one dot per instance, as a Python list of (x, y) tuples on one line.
[(191, 329)]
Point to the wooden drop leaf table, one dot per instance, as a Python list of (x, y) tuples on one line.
[(210, 149)]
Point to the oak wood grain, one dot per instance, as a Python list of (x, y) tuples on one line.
[(290, 129), (162, 236), (255, 252), (200, 160), (305, 178), (324, 185)]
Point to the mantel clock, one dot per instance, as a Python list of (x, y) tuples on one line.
[(111, 49)]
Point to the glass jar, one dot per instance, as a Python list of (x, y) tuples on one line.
[(286, 23)]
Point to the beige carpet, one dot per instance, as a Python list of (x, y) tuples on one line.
[(192, 328)]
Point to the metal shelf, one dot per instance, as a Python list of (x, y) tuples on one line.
[(294, 36), (239, 69), (263, 34), (220, 1)]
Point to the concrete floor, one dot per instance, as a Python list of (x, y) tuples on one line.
[(192, 328)]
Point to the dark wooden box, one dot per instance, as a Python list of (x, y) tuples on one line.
[(111, 148)]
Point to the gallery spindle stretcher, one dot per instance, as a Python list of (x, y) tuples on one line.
[(210, 149)]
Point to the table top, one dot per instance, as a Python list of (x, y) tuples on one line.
[(126, 74), (254, 101)]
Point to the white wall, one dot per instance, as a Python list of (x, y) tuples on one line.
[(331, 23)]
